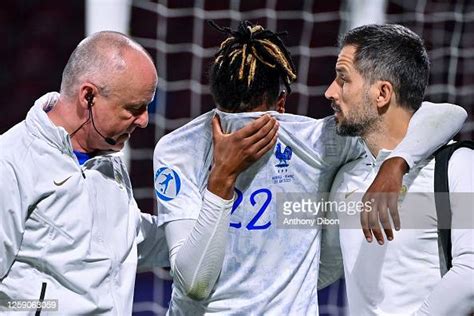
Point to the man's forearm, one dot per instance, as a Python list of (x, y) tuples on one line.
[(197, 248), (430, 127)]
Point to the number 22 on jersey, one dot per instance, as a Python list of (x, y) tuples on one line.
[(252, 224)]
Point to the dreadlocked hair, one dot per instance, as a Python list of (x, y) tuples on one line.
[(249, 67)]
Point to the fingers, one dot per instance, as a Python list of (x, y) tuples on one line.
[(216, 127), (388, 233), (370, 225), (251, 128), (264, 138), (393, 207), (383, 194), (364, 222), (369, 207), (386, 207), (374, 224), (384, 218), (383, 207), (234, 153), (374, 214), (263, 133), (270, 145)]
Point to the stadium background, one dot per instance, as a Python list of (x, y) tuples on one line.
[(38, 36)]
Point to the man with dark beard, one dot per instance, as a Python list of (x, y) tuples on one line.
[(381, 75)]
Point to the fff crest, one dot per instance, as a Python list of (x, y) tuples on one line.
[(283, 156)]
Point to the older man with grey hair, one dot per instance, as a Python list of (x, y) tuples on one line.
[(71, 234)]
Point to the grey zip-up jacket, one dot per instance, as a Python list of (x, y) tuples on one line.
[(69, 233)]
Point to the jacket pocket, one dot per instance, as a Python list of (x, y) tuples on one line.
[(46, 221)]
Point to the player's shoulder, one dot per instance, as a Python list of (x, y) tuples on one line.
[(352, 174), (15, 143), (461, 161), (287, 119), (461, 170), (191, 135), (310, 130), (462, 157)]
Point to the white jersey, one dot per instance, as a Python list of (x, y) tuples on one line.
[(397, 277), (267, 268)]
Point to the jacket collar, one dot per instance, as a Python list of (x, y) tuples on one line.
[(39, 124), (375, 161)]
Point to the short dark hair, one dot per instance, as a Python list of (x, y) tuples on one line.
[(393, 53), (249, 67)]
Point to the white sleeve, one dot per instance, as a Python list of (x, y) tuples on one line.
[(197, 247), (454, 294), (13, 217), (152, 248), (432, 126)]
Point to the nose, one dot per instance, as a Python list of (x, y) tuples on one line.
[(142, 119), (330, 93)]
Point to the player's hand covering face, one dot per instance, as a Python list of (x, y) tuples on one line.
[(235, 152)]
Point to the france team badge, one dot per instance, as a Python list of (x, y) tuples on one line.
[(283, 156), (167, 184)]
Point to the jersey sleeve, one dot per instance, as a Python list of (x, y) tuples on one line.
[(430, 127), (178, 179), (197, 247)]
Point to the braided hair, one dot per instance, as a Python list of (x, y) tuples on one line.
[(249, 67)]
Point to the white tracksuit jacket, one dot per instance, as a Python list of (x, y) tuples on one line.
[(75, 228)]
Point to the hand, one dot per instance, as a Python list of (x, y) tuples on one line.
[(383, 194), (235, 152)]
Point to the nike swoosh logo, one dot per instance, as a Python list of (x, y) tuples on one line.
[(61, 182), (349, 194)]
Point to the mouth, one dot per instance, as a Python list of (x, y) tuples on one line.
[(335, 108)]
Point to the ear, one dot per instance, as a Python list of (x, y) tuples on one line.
[(280, 105), (385, 93), (87, 94)]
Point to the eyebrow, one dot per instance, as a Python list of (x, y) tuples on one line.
[(137, 105), (341, 70)]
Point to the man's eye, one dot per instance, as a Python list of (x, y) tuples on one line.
[(137, 111)]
